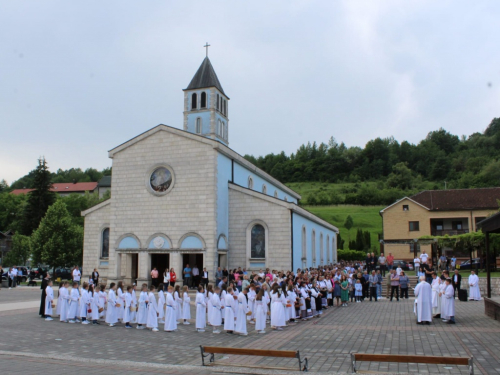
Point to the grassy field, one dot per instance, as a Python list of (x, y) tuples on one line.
[(341, 189), (366, 218)]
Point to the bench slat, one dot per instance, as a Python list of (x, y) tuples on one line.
[(401, 358), (256, 352)]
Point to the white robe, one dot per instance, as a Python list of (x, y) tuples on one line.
[(111, 311), (474, 292), (64, 309), (186, 306), (178, 308), (278, 303), (201, 308), (436, 299), (161, 305), (423, 292), (241, 316), (208, 300), (49, 297), (142, 312), (228, 312), (170, 315), (103, 300), (126, 312), (59, 304), (290, 311), (216, 318), (73, 303), (84, 304), (260, 315), (121, 300), (251, 303), (94, 305), (448, 303), (133, 303), (152, 321)]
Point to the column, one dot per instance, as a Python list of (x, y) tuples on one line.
[(144, 263), (128, 269), (176, 264), (118, 267)]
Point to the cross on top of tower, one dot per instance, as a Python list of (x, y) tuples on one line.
[(206, 46)]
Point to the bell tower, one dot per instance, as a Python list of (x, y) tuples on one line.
[(206, 104)]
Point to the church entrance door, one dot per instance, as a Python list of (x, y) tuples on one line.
[(193, 260), (161, 262)]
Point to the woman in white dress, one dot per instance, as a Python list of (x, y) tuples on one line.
[(278, 304), (166, 279), (474, 292), (186, 305), (201, 310)]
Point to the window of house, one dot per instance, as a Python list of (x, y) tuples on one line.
[(313, 247), (250, 183), (439, 225), (105, 243), (225, 101), (405, 207), (412, 247), (264, 189), (258, 242), (198, 125), (328, 249), (304, 247), (194, 101), (217, 101), (414, 226), (203, 100), (456, 225), (321, 248)]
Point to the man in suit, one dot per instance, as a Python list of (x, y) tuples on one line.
[(95, 277), (368, 262), (456, 281)]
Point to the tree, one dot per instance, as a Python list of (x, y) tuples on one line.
[(57, 241), (348, 225), (20, 252), (401, 177), (39, 200), (4, 186), (11, 211)]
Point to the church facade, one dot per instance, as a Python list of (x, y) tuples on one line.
[(184, 197)]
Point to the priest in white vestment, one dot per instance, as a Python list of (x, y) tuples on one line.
[(474, 292), (436, 298), (423, 294)]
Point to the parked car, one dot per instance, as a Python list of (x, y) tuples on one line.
[(64, 273), (405, 266), (37, 272), (24, 277), (466, 265)]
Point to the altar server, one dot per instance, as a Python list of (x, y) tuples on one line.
[(216, 318), (423, 294), (49, 300), (474, 292), (228, 311), (142, 310), (448, 304), (152, 321), (201, 308), (171, 314), (243, 312), (186, 305), (112, 306), (73, 303), (128, 305)]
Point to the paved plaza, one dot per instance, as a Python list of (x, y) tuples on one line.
[(30, 343)]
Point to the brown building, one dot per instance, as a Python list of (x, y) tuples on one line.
[(65, 188), (434, 213)]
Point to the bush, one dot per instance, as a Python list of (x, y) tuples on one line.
[(350, 255)]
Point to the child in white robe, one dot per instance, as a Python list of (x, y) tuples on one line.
[(291, 299), (161, 304), (216, 318), (448, 304), (103, 302), (241, 316), (208, 300), (128, 304), (94, 305), (84, 303), (133, 304), (111, 311), (178, 301), (121, 300), (186, 305), (49, 300), (201, 310), (58, 307), (152, 321), (142, 311), (278, 304), (73, 303), (260, 312), (64, 297), (474, 291), (171, 314), (228, 311), (251, 303)]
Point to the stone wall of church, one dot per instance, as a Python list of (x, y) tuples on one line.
[(188, 208), (245, 209), (95, 223)]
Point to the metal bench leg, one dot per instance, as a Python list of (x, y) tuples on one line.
[(203, 356), (471, 366), (353, 363)]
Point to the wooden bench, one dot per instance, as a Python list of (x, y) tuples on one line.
[(398, 358), (212, 350)]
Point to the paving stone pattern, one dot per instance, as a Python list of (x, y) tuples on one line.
[(381, 327)]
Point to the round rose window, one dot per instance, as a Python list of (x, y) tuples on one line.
[(160, 179)]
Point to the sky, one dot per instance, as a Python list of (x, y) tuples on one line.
[(78, 78)]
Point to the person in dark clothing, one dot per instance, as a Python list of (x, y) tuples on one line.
[(42, 301), (456, 281), (368, 262)]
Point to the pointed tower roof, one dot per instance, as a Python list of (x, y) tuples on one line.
[(205, 77)]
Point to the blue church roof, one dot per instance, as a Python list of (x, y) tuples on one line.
[(205, 77)]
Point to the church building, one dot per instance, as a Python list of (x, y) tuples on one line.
[(184, 197)]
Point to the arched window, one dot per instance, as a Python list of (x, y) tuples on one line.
[(250, 183), (217, 101), (304, 247), (313, 247), (225, 101), (264, 189), (223, 130), (286, 199), (217, 131), (105, 243), (321, 248), (198, 125), (203, 100), (258, 242), (276, 194), (328, 249), (194, 101)]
